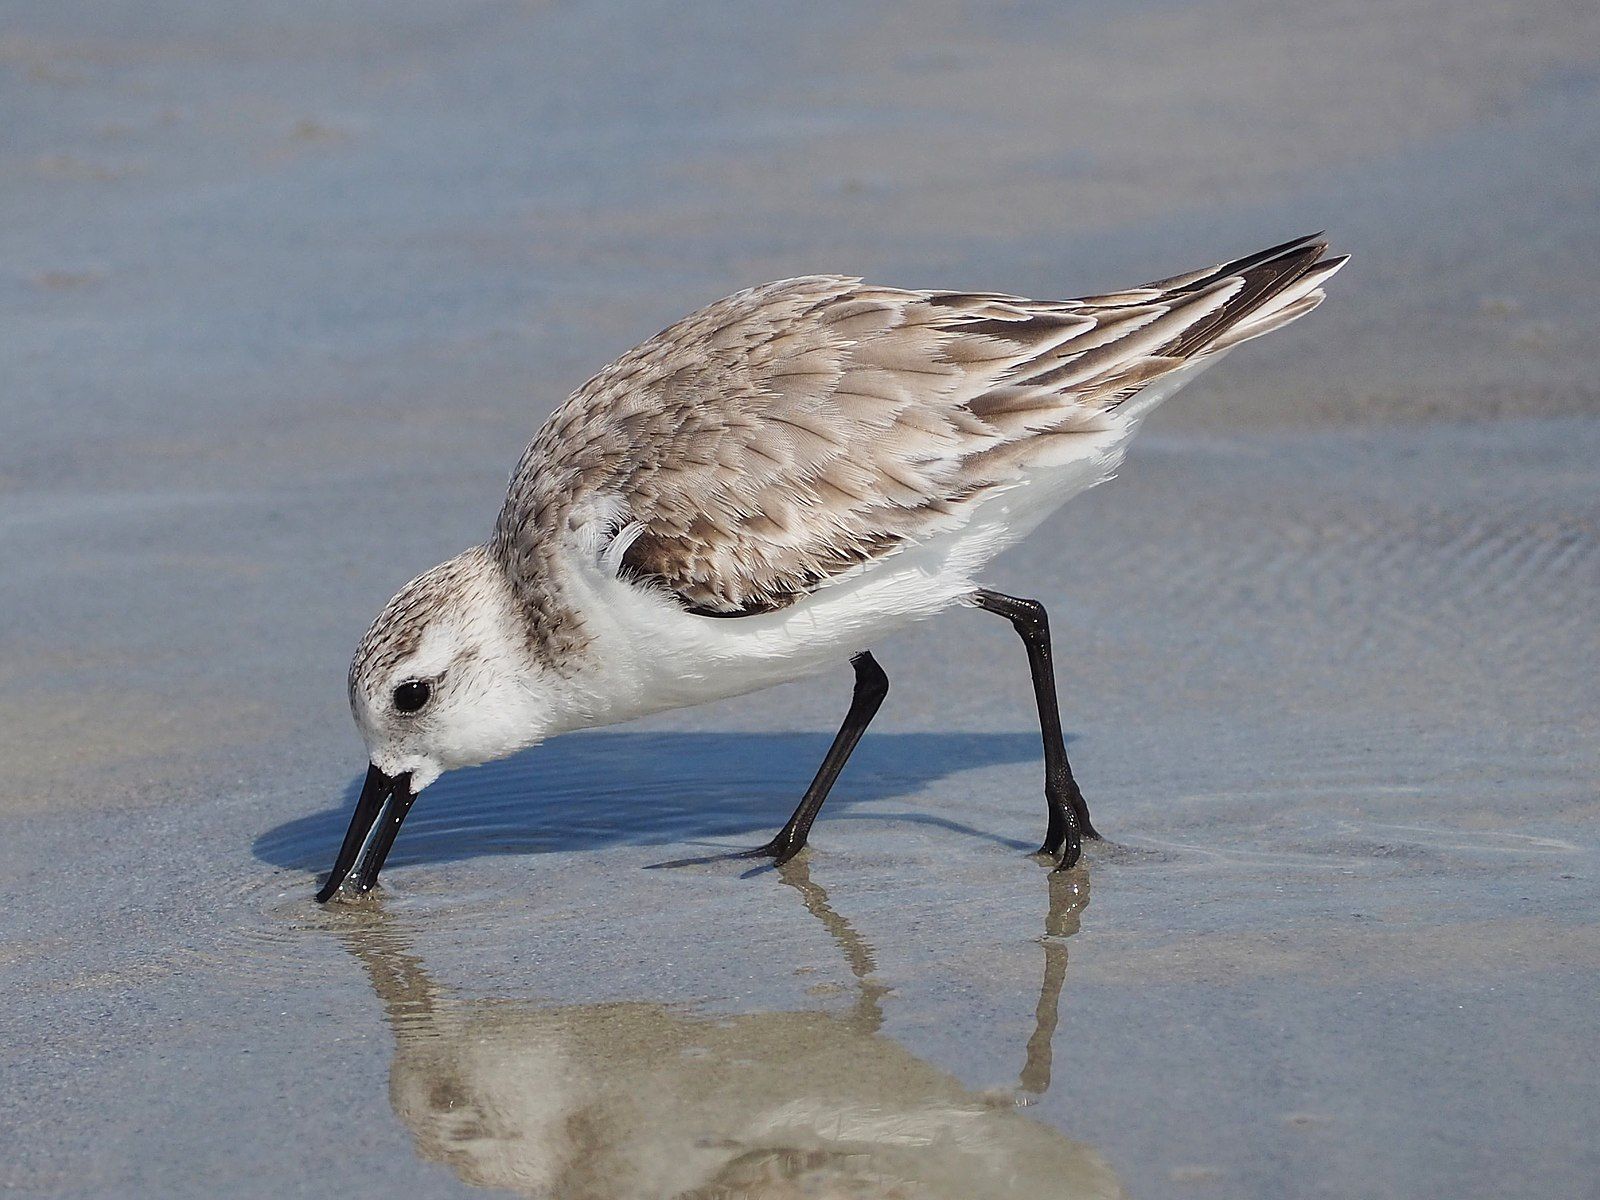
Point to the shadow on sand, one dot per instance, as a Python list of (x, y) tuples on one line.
[(589, 790)]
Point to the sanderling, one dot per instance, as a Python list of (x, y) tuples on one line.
[(767, 488)]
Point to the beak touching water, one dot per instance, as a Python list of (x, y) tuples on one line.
[(382, 806)]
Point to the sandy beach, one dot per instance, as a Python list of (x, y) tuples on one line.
[(286, 288)]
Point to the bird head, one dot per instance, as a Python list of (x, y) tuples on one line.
[(441, 680)]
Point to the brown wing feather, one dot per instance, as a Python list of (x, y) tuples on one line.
[(780, 437)]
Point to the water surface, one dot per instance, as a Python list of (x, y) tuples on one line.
[(286, 289)]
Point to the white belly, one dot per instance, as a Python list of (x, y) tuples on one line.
[(650, 655)]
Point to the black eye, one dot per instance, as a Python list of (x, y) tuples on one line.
[(412, 695)]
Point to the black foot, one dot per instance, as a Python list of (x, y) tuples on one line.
[(777, 849), (1070, 854), (780, 850), (1062, 860), (1080, 810), (1063, 842)]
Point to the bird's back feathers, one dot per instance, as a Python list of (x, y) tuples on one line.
[(788, 434)]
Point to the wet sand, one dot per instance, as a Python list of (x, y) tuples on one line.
[(284, 295)]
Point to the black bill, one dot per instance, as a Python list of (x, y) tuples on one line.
[(384, 802)]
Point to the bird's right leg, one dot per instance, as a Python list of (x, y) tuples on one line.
[(872, 685), (1068, 811)]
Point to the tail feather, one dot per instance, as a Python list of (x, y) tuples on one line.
[(1264, 291), (1238, 266), (1290, 304), (1098, 353), (1265, 278)]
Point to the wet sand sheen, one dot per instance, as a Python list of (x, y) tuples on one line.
[(1315, 903), (291, 289)]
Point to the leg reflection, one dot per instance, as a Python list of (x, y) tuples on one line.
[(635, 1100), (1069, 896), (868, 1010)]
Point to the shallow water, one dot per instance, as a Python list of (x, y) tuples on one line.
[(630, 1098), (289, 288), (1339, 724)]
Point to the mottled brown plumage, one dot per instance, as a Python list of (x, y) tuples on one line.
[(823, 460), (779, 438)]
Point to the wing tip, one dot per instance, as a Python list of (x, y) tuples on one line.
[(1266, 280)]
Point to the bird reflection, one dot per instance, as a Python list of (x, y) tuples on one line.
[(638, 1101)]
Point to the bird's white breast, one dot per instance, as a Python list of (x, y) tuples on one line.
[(649, 655)]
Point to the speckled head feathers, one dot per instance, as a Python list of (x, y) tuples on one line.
[(457, 632)]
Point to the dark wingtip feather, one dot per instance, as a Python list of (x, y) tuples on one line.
[(1266, 274), (1206, 276)]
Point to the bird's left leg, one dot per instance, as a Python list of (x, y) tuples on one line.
[(872, 685), (1069, 812)]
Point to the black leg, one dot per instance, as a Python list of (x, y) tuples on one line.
[(872, 685), (1069, 813)]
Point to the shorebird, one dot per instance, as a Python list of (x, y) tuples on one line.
[(766, 489)]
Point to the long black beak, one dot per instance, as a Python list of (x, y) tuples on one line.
[(384, 802)]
